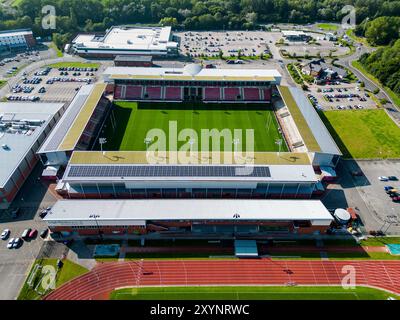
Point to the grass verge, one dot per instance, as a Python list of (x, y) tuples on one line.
[(74, 65), (70, 270)]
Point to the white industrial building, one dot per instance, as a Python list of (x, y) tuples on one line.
[(121, 40), (23, 128)]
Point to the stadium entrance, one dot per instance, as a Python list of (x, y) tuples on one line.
[(192, 94)]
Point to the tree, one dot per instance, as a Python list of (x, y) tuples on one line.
[(382, 30), (169, 21)]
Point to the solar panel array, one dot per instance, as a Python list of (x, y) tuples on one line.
[(164, 171)]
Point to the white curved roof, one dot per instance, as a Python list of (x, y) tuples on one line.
[(192, 69)]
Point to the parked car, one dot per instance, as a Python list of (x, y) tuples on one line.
[(5, 234), (388, 188), (383, 178), (43, 213), (25, 234), (32, 234), (17, 243), (393, 178), (43, 233), (10, 243)]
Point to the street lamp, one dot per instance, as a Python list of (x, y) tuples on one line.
[(95, 216), (101, 142), (279, 143)]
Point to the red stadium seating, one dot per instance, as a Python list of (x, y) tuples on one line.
[(133, 92), (212, 94), (267, 94), (173, 93), (251, 94), (231, 93), (117, 92), (153, 93)]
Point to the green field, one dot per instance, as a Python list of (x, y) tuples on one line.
[(74, 65), (69, 271), (367, 134), (328, 26), (250, 293), (135, 120)]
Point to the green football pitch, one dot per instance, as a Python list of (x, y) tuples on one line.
[(250, 293), (132, 122)]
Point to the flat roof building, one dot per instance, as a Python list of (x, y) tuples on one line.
[(292, 35), (217, 216), (11, 40), (23, 128), (124, 40)]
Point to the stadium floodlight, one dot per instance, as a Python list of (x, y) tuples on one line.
[(101, 142), (279, 143)]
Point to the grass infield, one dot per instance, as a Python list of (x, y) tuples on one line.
[(250, 293), (363, 134), (135, 120)]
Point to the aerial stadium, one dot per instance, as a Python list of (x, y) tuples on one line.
[(145, 135)]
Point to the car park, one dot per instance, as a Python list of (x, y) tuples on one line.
[(5, 234)]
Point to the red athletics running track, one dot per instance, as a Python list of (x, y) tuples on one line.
[(105, 277)]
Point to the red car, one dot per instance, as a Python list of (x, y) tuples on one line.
[(32, 234)]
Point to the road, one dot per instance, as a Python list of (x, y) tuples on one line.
[(390, 107)]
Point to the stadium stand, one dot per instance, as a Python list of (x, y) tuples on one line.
[(133, 92), (153, 93), (173, 93), (232, 94), (251, 94), (212, 94)]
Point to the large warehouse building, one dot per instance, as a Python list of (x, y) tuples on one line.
[(96, 174), (23, 128), (123, 40)]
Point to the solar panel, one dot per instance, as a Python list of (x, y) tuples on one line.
[(163, 171)]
